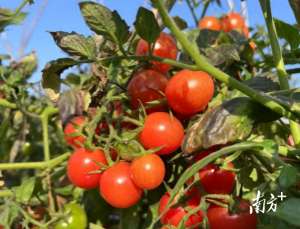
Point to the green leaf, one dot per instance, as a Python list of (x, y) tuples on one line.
[(295, 4), (288, 176), (65, 191), (169, 4), (75, 44), (8, 17), (95, 226), (146, 25), (96, 207), (131, 218), (8, 214), (263, 84), (290, 99), (105, 22), (152, 215), (181, 23), (25, 190), (288, 32), (27, 65), (289, 211), (52, 71), (224, 53), (273, 130), (207, 38)]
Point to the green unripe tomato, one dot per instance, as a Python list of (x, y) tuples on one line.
[(27, 148), (75, 218)]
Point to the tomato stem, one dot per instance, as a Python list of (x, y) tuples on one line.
[(155, 58), (278, 61), (6, 193), (7, 104), (48, 112), (21, 6), (35, 165), (203, 64)]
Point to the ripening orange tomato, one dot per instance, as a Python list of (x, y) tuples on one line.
[(233, 21), (210, 22)]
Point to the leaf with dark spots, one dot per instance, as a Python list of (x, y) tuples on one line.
[(229, 122), (263, 84), (207, 38), (105, 22), (52, 71), (73, 103), (181, 23), (225, 53), (237, 37), (75, 44), (223, 124)]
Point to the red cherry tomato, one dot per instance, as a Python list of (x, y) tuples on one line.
[(220, 218), (233, 21), (165, 47), (148, 171), (216, 180), (145, 86), (72, 132), (162, 130), (189, 92), (210, 22), (117, 187), (81, 164), (174, 215)]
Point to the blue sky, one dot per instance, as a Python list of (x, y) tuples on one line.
[(64, 15)]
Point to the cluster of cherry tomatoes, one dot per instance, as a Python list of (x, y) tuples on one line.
[(227, 23), (186, 93)]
